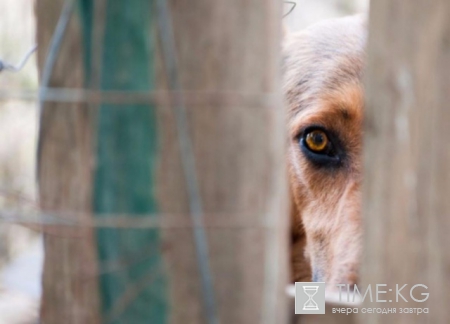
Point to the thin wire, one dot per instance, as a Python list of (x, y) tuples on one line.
[(124, 221), (195, 98), (50, 60), (55, 43), (294, 4), (188, 160), (132, 291), (5, 66)]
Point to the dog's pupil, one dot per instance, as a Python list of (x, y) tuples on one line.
[(318, 138)]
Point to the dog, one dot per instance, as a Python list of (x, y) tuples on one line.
[(323, 68)]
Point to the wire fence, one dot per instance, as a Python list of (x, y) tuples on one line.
[(62, 222)]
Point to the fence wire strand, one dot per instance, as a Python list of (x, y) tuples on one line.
[(5, 66), (160, 97), (55, 43), (126, 221), (50, 60)]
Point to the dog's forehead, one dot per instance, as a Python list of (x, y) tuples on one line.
[(323, 59), (342, 108)]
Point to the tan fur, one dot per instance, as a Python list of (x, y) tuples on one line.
[(323, 68)]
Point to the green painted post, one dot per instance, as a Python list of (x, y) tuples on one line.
[(127, 149)]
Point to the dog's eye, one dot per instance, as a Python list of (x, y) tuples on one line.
[(321, 147), (317, 141)]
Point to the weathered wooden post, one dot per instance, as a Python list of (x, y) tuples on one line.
[(407, 160), (227, 60), (65, 181), (229, 49)]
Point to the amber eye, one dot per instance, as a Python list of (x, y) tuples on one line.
[(317, 140)]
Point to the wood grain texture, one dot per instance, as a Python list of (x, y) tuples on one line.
[(407, 156), (229, 46), (69, 279)]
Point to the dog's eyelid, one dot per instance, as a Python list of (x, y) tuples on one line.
[(309, 128)]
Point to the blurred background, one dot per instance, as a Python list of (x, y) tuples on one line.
[(307, 12), (20, 248)]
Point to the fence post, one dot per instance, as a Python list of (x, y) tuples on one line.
[(70, 288), (231, 49), (407, 178)]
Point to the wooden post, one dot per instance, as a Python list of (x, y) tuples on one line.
[(230, 48), (65, 182), (407, 160), (225, 47)]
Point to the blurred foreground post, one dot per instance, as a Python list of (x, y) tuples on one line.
[(231, 49), (65, 182), (407, 158), (227, 58)]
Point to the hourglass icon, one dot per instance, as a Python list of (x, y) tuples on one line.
[(310, 304)]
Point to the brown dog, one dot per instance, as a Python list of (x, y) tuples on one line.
[(323, 68)]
